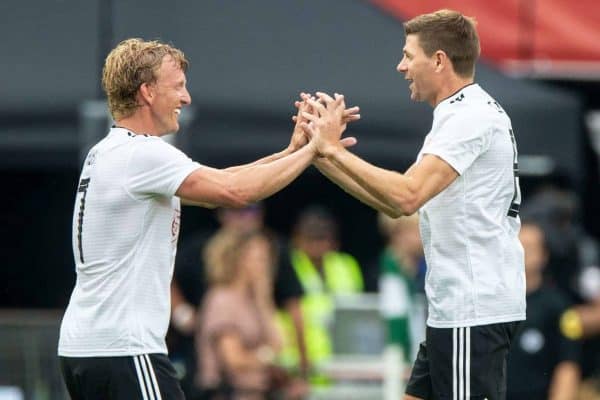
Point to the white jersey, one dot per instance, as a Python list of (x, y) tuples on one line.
[(125, 229), (475, 266)]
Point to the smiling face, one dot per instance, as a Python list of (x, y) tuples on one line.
[(419, 70), (169, 96)]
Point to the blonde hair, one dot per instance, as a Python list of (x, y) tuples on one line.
[(222, 253), (451, 32), (129, 65)]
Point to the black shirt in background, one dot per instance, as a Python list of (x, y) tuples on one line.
[(539, 346)]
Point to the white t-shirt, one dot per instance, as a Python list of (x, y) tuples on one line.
[(125, 229), (475, 266)]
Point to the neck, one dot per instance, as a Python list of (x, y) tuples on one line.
[(450, 86), (139, 123)]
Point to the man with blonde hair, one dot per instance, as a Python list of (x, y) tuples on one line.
[(465, 186), (126, 224)]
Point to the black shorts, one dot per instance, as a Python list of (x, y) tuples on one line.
[(462, 363), (143, 377)]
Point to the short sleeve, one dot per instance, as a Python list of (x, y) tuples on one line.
[(459, 140), (156, 167)]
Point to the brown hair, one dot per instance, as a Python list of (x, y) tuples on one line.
[(451, 32), (129, 65), (222, 254)]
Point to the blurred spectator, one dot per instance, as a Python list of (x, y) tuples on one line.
[(401, 266), (189, 286), (544, 358), (555, 210), (323, 271), (237, 338), (572, 263)]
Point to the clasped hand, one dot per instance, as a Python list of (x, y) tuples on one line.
[(322, 120)]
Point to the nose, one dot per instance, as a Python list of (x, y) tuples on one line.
[(186, 98), (402, 66)]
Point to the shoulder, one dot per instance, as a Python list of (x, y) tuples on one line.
[(153, 148)]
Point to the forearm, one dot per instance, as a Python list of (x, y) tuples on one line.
[(256, 182), (349, 185), (264, 160), (390, 188), (245, 185)]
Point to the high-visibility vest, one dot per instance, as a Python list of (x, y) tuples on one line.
[(342, 275)]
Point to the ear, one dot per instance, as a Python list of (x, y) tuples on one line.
[(146, 93), (441, 59)]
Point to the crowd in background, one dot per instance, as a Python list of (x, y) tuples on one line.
[(252, 311)]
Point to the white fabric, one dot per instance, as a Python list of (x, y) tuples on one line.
[(475, 268), (125, 229)]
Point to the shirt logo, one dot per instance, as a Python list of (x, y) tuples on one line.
[(175, 223)]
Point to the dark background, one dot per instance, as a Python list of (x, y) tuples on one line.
[(249, 60)]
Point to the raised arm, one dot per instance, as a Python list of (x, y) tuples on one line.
[(242, 186), (395, 194)]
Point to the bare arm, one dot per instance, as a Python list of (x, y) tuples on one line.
[(245, 185), (349, 185), (565, 381), (264, 160), (402, 194)]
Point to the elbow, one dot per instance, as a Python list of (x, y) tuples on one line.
[(236, 198), (405, 205)]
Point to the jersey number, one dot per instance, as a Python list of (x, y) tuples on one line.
[(83, 187), (513, 210)]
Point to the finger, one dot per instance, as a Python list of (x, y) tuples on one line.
[(308, 129), (325, 97), (339, 100), (317, 106), (348, 141), (351, 118), (294, 118), (309, 116), (351, 110)]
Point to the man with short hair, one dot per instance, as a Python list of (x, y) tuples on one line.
[(126, 225), (465, 186)]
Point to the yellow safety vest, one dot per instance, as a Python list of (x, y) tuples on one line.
[(342, 275)]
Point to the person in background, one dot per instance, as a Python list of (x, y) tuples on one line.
[(189, 286), (323, 271), (237, 338), (401, 267), (544, 359)]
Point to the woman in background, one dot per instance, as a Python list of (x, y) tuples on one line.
[(237, 340)]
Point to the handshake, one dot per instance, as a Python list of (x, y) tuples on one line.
[(320, 122)]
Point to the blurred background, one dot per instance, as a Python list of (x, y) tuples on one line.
[(249, 60)]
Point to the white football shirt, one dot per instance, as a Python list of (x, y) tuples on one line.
[(475, 266), (125, 229)]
